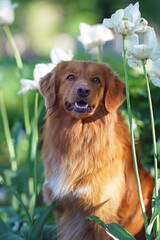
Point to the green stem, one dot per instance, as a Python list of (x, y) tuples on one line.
[(36, 139), (154, 141), (15, 49), (26, 115), (132, 138), (20, 67), (8, 134), (35, 150), (99, 53)]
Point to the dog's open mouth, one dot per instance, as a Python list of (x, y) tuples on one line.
[(79, 107)]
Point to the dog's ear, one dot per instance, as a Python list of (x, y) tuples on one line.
[(48, 89), (115, 93)]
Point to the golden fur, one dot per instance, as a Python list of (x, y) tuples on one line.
[(87, 153)]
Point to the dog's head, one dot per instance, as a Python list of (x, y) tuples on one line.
[(79, 87)]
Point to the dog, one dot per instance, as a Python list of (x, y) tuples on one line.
[(87, 154)]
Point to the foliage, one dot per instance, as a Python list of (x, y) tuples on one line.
[(21, 204), (113, 229)]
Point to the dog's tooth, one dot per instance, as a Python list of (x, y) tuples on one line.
[(76, 105)]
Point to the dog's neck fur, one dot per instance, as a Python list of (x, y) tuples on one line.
[(62, 142)]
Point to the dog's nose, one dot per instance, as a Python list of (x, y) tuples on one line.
[(83, 90)]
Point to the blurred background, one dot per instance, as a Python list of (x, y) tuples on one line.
[(41, 25)]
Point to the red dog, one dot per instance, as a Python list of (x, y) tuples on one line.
[(87, 153)]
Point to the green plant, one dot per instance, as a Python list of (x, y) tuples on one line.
[(24, 182)]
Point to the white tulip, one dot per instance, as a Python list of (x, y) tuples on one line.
[(7, 12), (132, 61), (95, 35), (138, 49), (127, 21), (40, 71), (155, 72), (57, 55)]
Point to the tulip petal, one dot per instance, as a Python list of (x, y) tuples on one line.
[(141, 25), (155, 81), (155, 55), (84, 28), (107, 22), (95, 35), (154, 74), (155, 68), (126, 10), (41, 70), (57, 55), (120, 27), (150, 38), (134, 63), (129, 25), (131, 41), (134, 13), (118, 16), (15, 5), (29, 84), (23, 90), (142, 51)]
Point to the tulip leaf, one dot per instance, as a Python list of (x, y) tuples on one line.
[(156, 212), (153, 198), (158, 237), (10, 189), (113, 229), (37, 227), (5, 233)]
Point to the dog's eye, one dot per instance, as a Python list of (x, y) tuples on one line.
[(70, 77), (96, 80)]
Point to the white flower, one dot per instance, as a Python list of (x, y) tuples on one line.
[(127, 21), (155, 73), (132, 61), (57, 55), (138, 49), (40, 71), (93, 36), (7, 12)]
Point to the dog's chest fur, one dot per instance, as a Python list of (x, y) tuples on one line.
[(80, 166)]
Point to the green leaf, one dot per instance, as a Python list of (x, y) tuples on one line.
[(17, 179), (15, 132), (158, 237), (37, 227), (50, 232), (96, 220), (20, 201), (156, 212), (153, 198), (113, 229), (5, 233), (119, 232)]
